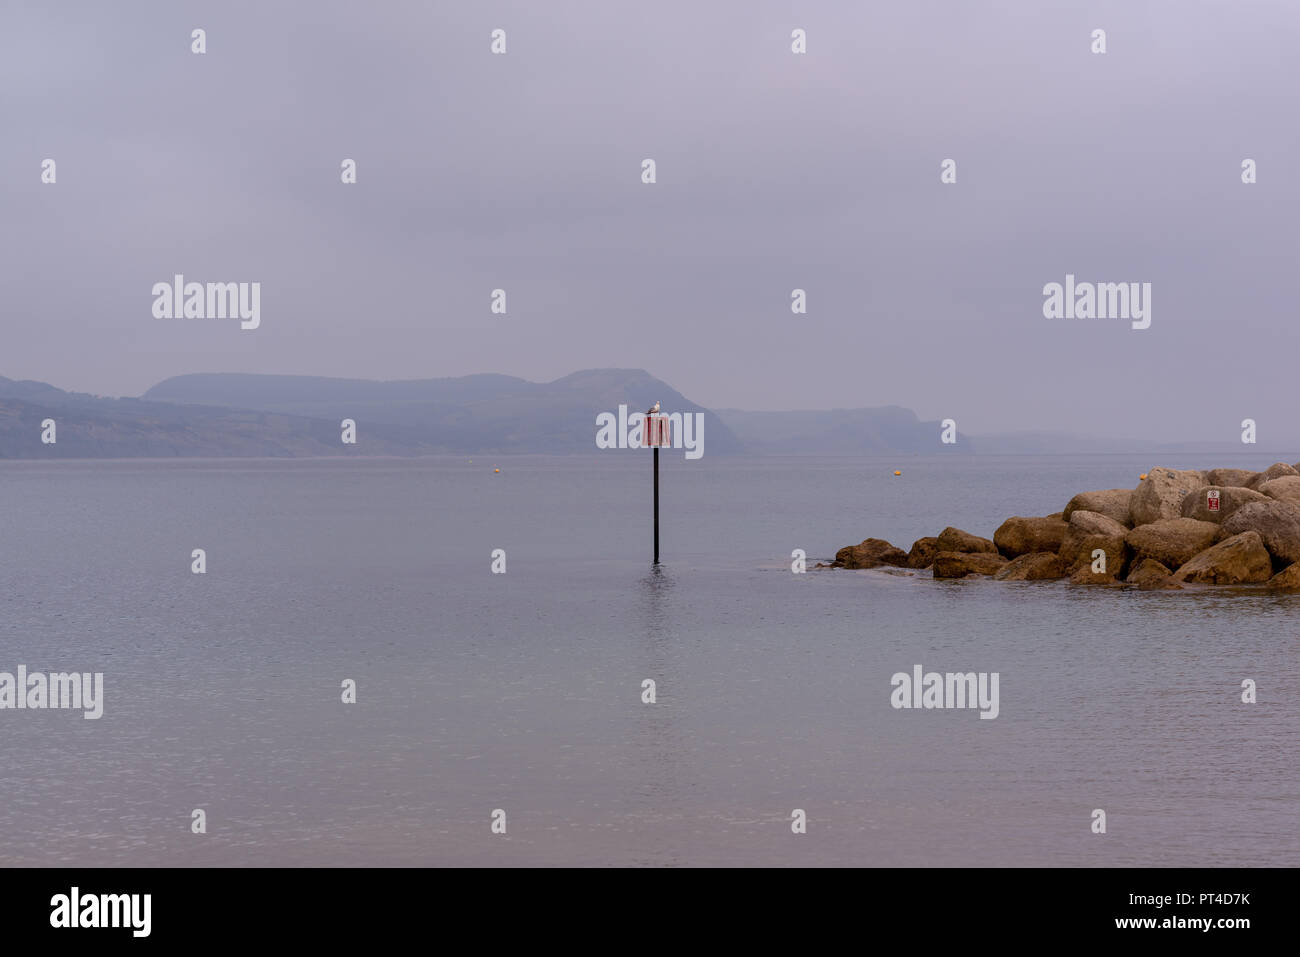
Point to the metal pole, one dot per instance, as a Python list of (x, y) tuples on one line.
[(656, 504)]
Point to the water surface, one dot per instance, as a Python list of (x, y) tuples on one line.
[(523, 691)]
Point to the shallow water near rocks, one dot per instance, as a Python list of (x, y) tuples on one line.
[(523, 691)]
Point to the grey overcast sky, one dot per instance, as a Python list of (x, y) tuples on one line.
[(775, 171)]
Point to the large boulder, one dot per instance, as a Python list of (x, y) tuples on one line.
[(1197, 504), (1113, 503), (1288, 579), (1229, 477), (1274, 471), (1089, 531), (922, 553), (1147, 570), (1239, 560), (955, 540), (872, 553), (961, 564), (1173, 541), (1278, 524), (1034, 566), (1284, 489), (1020, 536), (1160, 495)]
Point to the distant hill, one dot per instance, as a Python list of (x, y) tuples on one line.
[(841, 432), (228, 414), (272, 415), (477, 413), (90, 426)]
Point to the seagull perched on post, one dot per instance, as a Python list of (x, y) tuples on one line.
[(654, 409)]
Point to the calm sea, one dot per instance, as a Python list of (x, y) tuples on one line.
[(522, 691)]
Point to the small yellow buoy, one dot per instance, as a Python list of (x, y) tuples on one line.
[(896, 472), (1142, 477), (496, 470)]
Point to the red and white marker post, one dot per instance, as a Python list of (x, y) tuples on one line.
[(657, 432)]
